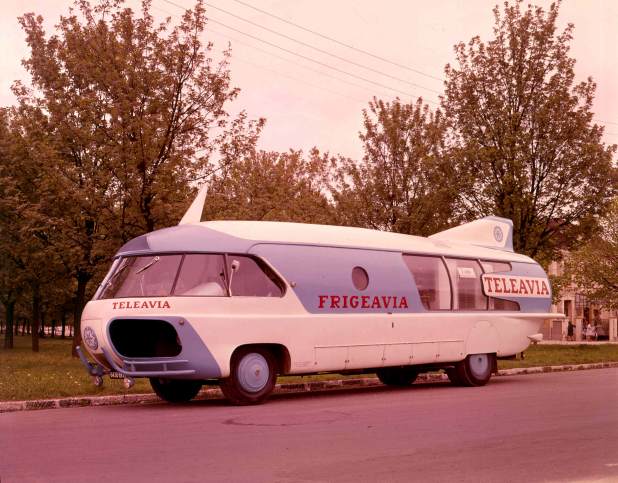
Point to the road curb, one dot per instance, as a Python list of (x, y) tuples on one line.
[(298, 387)]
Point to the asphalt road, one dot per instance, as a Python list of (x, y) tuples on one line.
[(546, 427)]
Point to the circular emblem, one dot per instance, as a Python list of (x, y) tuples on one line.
[(90, 338), (498, 235)]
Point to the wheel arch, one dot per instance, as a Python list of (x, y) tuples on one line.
[(279, 351)]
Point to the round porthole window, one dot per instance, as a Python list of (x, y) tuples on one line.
[(360, 279)]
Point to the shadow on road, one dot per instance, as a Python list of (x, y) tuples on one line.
[(325, 393)]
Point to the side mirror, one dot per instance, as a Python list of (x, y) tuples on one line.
[(235, 265)]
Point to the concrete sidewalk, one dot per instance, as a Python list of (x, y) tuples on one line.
[(578, 342), (215, 393)]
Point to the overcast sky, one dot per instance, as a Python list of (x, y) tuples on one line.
[(306, 103)]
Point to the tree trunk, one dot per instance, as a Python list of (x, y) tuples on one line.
[(36, 317), (8, 335), (80, 296), (42, 327), (53, 328), (63, 321)]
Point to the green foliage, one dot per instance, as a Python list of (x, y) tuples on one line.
[(525, 144), (404, 182), (121, 116), (270, 186), (594, 266)]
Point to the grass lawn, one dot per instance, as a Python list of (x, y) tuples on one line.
[(54, 373), (51, 372)]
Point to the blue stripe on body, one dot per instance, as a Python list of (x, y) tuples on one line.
[(319, 271), (193, 347)]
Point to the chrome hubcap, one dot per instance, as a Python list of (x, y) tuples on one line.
[(253, 372), (479, 365)]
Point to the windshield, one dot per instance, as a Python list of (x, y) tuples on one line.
[(190, 275), (148, 276)]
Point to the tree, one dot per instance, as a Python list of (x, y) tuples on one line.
[(594, 266), (526, 145), (30, 264), (126, 114), (404, 182), (270, 186)]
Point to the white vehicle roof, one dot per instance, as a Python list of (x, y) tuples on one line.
[(351, 237)]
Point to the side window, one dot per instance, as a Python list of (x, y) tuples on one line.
[(431, 280), (494, 267), (201, 275), (360, 279), (495, 303), (252, 278), (467, 290)]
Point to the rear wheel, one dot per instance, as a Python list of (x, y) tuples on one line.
[(175, 390), (474, 370), (451, 372), (397, 376), (252, 376)]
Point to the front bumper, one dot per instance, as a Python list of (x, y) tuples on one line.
[(157, 367)]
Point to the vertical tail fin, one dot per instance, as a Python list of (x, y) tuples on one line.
[(194, 213), (489, 232)]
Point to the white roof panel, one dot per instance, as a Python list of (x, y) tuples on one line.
[(350, 237)]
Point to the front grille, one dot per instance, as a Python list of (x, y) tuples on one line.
[(144, 338)]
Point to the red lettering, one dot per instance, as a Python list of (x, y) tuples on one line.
[(530, 284), (403, 304), (522, 287), (538, 290), (497, 285), (376, 303), (386, 301), (323, 298), (514, 286), (334, 301), (504, 287), (365, 301), (345, 301), (544, 288), (166, 305), (487, 282), (114, 304), (354, 301)]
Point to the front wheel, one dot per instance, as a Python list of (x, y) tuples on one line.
[(474, 370), (175, 390), (252, 376)]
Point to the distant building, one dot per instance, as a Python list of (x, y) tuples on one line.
[(579, 310)]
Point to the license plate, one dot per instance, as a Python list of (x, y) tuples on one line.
[(116, 375)]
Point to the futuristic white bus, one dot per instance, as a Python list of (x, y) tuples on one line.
[(238, 303)]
